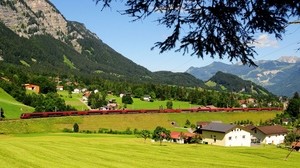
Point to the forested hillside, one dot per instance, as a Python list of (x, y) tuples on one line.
[(233, 83), (35, 37)]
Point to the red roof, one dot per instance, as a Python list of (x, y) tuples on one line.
[(178, 135), (295, 144)]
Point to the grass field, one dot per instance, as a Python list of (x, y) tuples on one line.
[(115, 151), (74, 100), (137, 103), (122, 122), (11, 107)]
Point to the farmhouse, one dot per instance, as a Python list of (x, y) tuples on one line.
[(146, 98), (273, 134), (181, 137), (60, 88), (296, 146), (32, 87), (226, 135)]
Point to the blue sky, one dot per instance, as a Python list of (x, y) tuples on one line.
[(135, 39)]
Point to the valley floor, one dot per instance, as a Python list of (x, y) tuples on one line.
[(97, 150)]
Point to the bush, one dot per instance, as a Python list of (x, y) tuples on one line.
[(67, 130), (76, 127)]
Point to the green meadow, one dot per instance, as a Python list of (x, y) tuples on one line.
[(74, 100), (11, 107), (114, 151), (124, 121)]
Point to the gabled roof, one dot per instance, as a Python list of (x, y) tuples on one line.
[(273, 129), (218, 127), (177, 135), (250, 127)]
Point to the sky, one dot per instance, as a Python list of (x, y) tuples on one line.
[(135, 39)]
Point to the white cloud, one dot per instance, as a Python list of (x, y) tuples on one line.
[(263, 41)]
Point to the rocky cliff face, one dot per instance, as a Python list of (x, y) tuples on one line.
[(35, 17)]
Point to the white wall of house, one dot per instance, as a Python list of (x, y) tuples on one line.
[(180, 141), (274, 139), (269, 139), (237, 137)]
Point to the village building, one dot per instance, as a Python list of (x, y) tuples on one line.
[(76, 90), (225, 135), (245, 103), (296, 146), (273, 134), (32, 87), (60, 88), (146, 98), (112, 104), (85, 96), (181, 137)]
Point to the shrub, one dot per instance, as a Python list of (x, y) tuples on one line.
[(67, 130), (76, 127)]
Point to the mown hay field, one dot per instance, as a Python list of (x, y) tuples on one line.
[(124, 121), (114, 151)]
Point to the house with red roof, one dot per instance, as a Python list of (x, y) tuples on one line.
[(181, 137), (273, 134), (226, 135), (33, 87), (296, 146)]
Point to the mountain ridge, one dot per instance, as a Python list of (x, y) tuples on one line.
[(47, 43), (278, 76)]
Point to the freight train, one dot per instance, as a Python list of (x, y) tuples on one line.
[(140, 111)]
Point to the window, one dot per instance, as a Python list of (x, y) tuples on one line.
[(215, 139), (244, 136), (229, 138)]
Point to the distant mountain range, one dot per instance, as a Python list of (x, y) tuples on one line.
[(281, 77), (35, 37)]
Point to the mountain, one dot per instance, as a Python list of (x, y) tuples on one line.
[(185, 79), (35, 37), (233, 83), (281, 77)]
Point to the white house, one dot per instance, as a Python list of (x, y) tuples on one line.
[(76, 91), (147, 98), (226, 135), (273, 134)]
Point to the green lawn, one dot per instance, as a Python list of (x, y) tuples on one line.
[(139, 104), (11, 107), (74, 100), (114, 151)]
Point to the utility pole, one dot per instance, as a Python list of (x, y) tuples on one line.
[(293, 148)]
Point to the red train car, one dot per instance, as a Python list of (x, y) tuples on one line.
[(141, 111)]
